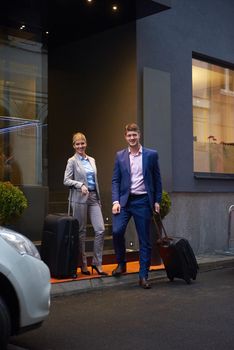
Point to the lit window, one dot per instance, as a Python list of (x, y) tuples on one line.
[(213, 118), (23, 111)]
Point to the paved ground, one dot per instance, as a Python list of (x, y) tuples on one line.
[(170, 316)]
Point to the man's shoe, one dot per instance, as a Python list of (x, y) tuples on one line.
[(143, 283), (119, 270)]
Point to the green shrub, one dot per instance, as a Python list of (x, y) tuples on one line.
[(165, 205), (12, 203)]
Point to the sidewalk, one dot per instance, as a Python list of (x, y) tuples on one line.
[(86, 284)]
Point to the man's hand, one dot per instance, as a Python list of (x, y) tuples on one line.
[(157, 207), (116, 208)]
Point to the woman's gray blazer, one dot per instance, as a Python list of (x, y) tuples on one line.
[(75, 177)]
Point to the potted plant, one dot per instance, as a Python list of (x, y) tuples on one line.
[(12, 203), (165, 205)]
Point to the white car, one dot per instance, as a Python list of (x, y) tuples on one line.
[(24, 285)]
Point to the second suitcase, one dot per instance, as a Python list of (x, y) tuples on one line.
[(177, 256), (60, 245), (178, 259)]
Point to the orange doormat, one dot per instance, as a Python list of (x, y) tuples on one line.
[(132, 267)]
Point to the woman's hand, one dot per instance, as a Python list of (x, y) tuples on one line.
[(84, 189)]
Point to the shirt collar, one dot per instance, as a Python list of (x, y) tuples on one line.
[(135, 154), (82, 158)]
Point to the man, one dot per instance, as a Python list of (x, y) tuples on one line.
[(136, 192)]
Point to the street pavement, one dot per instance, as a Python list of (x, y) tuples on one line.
[(170, 316)]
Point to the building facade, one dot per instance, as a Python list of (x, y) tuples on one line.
[(169, 67)]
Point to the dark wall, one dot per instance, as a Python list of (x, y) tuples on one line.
[(165, 42), (92, 89)]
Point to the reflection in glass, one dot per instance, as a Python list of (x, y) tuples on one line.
[(213, 118), (23, 110)]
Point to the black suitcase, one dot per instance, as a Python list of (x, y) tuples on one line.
[(60, 245), (177, 256)]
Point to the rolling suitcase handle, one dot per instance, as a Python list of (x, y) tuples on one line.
[(163, 239)]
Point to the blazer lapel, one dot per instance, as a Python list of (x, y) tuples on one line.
[(126, 160), (92, 164), (80, 165), (143, 161)]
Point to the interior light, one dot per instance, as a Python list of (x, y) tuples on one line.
[(115, 8), (47, 33), (22, 27), (89, 0)]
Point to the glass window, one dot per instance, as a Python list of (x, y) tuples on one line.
[(23, 110), (213, 118)]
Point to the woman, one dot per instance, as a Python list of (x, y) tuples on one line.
[(81, 176)]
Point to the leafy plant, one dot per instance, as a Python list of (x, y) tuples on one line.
[(165, 204), (12, 202)]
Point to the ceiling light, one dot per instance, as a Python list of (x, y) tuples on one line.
[(115, 8), (22, 27)]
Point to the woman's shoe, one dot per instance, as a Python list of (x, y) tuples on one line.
[(102, 273), (86, 272)]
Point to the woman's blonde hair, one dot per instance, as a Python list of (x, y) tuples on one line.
[(78, 136)]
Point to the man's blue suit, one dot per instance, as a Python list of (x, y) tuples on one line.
[(140, 206)]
